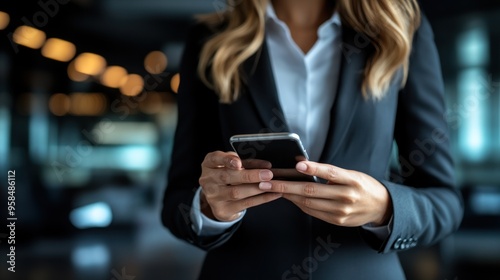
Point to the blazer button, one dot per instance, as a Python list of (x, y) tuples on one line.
[(404, 245), (414, 243), (397, 243)]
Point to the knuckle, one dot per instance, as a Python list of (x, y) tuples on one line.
[(202, 181), (209, 191), (210, 157), (224, 177), (234, 193), (246, 177), (213, 159), (345, 211), (232, 153), (280, 187), (331, 172), (356, 178), (340, 221), (306, 202), (309, 190), (351, 197)]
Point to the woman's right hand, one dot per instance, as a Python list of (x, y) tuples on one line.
[(228, 188)]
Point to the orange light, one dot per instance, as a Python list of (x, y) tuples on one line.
[(59, 50), (87, 104), (113, 76), (90, 64), (75, 75), (155, 62), (4, 20), (175, 82), (152, 104), (59, 104), (29, 37), (132, 85)]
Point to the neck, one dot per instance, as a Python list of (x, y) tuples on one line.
[(303, 13)]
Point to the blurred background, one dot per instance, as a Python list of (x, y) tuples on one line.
[(88, 111)]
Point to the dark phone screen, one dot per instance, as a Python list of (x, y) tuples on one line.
[(280, 156)]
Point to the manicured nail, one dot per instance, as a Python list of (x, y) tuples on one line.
[(265, 185), (265, 175), (302, 167)]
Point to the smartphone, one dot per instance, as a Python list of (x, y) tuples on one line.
[(278, 152)]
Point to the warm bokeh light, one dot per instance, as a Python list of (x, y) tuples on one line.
[(132, 85), (29, 37), (4, 20), (155, 62), (74, 75), (59, 50), (114, 76), (152, 103), (174, 82), (90, 64), (59, 104), (87, 104)]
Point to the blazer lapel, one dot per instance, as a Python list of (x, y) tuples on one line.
[(348, 93), (262, 89)]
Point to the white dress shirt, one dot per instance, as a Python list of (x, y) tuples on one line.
[(306, 83), (306, 86)]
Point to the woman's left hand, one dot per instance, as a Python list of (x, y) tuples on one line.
[(350, 198)]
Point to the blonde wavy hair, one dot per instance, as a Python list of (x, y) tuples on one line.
[(388, 24)]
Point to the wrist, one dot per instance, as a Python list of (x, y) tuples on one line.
[(384, 207), (386, 214), (205, 207)]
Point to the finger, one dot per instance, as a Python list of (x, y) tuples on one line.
[(306, 189), (253, 201), (319, 204), (338, 217), (256, 164), (246, 176), (240, 192), (220, 159), (328, 172)]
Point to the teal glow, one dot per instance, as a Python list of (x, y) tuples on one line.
[(92, 216), (473, 86), (90, 256), (5, 125), (474, 46)]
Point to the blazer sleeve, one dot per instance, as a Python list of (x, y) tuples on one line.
[(427, 206), (197, 133)]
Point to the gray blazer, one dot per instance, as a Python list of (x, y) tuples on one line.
[(277, 240)]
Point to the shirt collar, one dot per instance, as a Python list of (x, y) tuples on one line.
[(325, 29)]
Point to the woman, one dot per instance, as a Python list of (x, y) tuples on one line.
[(351, 77)]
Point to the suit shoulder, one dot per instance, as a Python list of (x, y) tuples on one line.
[(424, 29)]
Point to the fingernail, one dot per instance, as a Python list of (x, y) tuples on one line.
[(265, 185), (265, 175), (234, 163), (301, 167)]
